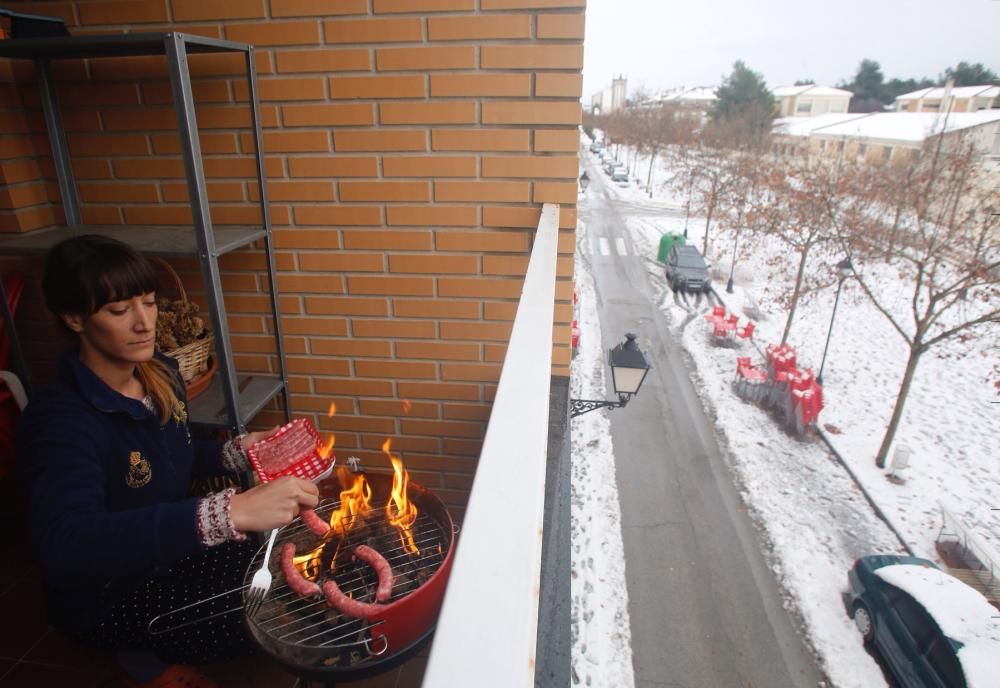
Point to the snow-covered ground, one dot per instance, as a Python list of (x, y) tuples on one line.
[(813, 518)]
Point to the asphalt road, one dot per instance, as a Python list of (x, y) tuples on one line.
[(704, 607)]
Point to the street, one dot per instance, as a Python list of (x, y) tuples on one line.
[(705, 609)]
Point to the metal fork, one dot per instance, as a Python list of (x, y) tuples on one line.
[(261, 582)]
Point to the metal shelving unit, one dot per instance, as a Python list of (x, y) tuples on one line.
[(232, 398)]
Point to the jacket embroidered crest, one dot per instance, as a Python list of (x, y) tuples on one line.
[(139, 470)]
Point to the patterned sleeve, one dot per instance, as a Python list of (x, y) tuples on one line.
[(215, 524), (234, 456)]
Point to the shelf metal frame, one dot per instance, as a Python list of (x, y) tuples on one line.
[(231, 400)]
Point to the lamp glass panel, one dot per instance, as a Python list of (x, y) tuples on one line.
[(627, 380)]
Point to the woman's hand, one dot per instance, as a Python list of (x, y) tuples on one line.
[(272, 504), (252, 438)]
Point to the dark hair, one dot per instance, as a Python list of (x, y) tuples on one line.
[(85, 272)]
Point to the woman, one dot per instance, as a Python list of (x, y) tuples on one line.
[(108, 462)]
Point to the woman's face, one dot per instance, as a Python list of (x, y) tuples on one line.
[(120, 331)]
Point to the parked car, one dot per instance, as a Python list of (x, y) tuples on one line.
[(686, 269), (609, 165), (596, 147), (932, 630), (619, 174)]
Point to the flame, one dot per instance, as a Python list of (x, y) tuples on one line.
[(333, 409), (355, 500), (406, 406), (399, 510), (308, 564), (326, 448)]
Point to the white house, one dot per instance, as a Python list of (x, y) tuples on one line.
[(960, 99), (811, 100)]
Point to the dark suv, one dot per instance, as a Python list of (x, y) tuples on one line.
[(686, 270), (929, 627)]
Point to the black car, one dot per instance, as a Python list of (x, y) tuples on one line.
[(932, 630), (686, 270)]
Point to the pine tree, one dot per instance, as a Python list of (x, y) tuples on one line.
[(745, 99)]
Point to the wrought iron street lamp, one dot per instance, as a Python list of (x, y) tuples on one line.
[(844, 269), (584, 181), (628, 370), (732, 265)]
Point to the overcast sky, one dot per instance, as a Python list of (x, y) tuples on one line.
[(666, 43)]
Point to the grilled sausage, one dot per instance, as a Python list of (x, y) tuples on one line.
[(344, 604), (300, 585), (385, 578), (316, 524)]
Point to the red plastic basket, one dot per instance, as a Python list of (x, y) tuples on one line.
[(292, 450)]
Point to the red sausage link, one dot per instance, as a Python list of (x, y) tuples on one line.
[(344, 604), (385, 578), (316, 524), (300, 586)]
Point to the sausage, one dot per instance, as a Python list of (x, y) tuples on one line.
[(316, 524), (385, 578), (300, 585), (344, 604)]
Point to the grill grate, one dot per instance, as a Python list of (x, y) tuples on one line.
[(291, 623)]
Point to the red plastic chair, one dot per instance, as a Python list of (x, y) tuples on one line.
[(719, 311), (746, 332)]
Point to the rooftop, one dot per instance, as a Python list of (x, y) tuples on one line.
[(907, 126), (811, 89), (985, 91)]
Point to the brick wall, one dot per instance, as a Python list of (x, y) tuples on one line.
[(409, 147)]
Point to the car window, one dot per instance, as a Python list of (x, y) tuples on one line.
[(916, 619), (944, 662)]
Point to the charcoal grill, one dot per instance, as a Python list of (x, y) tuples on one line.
[(317, 643)]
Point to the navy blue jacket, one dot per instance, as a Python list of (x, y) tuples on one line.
[(108, 491)]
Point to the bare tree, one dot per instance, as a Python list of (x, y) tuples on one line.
[(938, 232)]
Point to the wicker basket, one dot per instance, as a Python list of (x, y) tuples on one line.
[(192, 358)]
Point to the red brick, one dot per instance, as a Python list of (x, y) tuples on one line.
[(354, 387), (198, 10), (296, 142), (327, 114), (123, 12), (368, 87), (560, 26), (323, 60), (531, 112), (118, 192), (108, 144), (479, 27), (534, 166), (217, 191), (507, 216), (373, 30), (312, 364), (428, 113), (391, 286), (557, 140), (482, 241), (481, 191), (420, 6), (314, 326), (317, 8), (411, 59), (395, 369), (487, 288), (300, 191), (529, 4), (394, 140), (346, 306), (393, 329), (209, 142), (438, 351), (383, 239), (430, 215), (558, 85), (436, 390), (384, 191), (275, 33), (435, 308), (149, 168), (470, 372), (328, 166), (480, 140), (139, 120), (460, 265), (467, 411), (429, 166), (289, 238), (342, 262), (283, 88), (449, 85), (441, 428), (554, 192), (472, 331), (350, 347), (334, 215)]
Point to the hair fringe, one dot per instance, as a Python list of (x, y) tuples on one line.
[(161, 384)]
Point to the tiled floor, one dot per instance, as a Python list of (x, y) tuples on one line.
[(34, 656)]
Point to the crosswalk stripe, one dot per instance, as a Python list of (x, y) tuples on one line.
[(620, 245), (605, 247)]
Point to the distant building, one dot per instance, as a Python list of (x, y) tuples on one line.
[(611, 99), (811, 100), (885, 135), (960, 99), (698, 101)]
